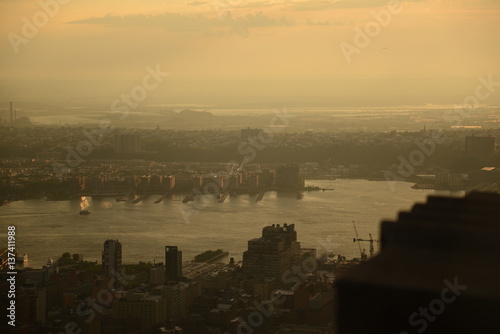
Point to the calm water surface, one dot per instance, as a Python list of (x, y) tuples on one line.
[(323, 219)]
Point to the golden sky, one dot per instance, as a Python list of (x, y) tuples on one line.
[(117, 39)]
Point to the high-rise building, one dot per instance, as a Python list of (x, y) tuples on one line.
[(288, 177), (112, 257), (271, 255), (173, 264)]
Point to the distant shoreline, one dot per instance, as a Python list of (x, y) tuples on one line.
[(308, 188)]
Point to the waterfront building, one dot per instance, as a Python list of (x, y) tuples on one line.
[(480, 145), (271, 255), (112, 257), (288, 177)]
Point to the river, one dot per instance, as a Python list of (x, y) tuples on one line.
[(323, 220)]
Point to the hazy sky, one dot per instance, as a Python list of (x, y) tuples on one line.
[(117, 39)]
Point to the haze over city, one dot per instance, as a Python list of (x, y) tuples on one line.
[(249, 166), (251, 52)]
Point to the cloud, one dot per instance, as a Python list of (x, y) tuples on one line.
[(330, 4), (311, 5), (319, 23), (180, 22), (196, 3)]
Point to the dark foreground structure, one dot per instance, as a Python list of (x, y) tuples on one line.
[(438, 272)]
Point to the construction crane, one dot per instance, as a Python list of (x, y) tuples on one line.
[(371, 241), (362, 252)]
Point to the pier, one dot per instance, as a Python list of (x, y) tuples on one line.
[(260, 195), (159, 200), (223, 196), (140, 198)]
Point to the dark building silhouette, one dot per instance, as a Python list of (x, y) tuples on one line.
[(112, 257), (250, 133), (480, 145), (173, 264), (437, 272), (288, 177), (271, 255), (127, 143)]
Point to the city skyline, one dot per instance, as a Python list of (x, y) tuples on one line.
[(269, 166)]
